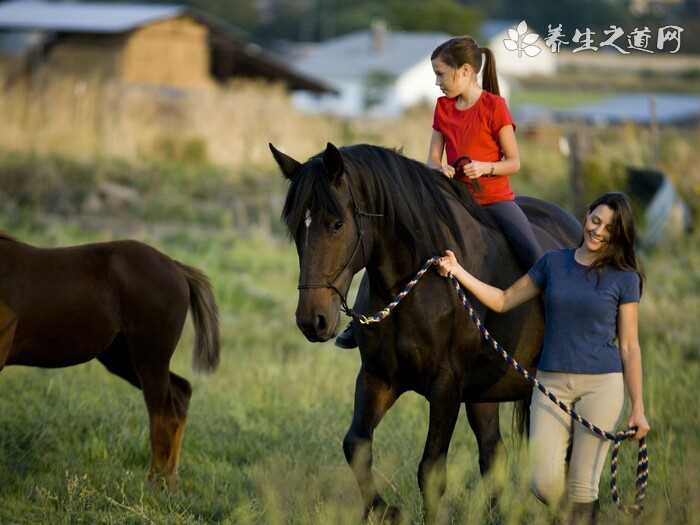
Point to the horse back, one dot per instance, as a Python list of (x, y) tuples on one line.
[(554, 227), (70, 303)]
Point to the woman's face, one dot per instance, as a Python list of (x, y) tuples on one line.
[(451, 81), (598, 227)]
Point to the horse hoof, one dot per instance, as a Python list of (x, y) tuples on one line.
[(383, 513), (162, 481)]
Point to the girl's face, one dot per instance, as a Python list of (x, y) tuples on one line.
[(452, 82), (597, 230)]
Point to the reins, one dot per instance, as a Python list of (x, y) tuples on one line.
[(617, 437), (359, 245)]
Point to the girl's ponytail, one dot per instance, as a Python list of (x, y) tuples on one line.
[(461, 50), (489, 78)]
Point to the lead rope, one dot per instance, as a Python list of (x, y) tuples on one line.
[(617, 438)]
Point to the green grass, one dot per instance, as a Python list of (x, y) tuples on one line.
[(263, 443), (554, 98)]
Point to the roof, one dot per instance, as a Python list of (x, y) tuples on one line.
[(17, 43), (21, 18), (670, 109), (493, 27), (352, 55), (82, 17)]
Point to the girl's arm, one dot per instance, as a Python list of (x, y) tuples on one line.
[(437, 145), (494, 298), (510, 164), (632, 365)]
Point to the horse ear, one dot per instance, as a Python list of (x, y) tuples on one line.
[(287, 164), (333, 162)]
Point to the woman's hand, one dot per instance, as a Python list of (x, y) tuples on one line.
[(476, 169), (447, 264), (639, 420), (448, 171)]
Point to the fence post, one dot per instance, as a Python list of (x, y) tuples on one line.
[(577, 145)]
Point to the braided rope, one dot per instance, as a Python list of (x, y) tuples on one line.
[(617, 438)]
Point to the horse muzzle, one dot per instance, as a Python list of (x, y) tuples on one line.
[(318, 314)]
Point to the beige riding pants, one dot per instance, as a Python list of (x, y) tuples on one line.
[(599, 398)]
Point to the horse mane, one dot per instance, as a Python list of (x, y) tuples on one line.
[(4, 236), (411, 196)]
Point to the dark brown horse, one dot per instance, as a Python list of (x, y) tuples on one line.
[(369, 207), (123, 303)]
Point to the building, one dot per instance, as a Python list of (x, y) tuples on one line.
[(376, 72), (156, 44), (381, 72), (510, 64)]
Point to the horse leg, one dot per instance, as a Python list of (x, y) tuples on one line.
[(373, 398), (117, 360), (432, 472), (483, 418), (484, 421), (181, 391), (8, 325), (167, 399)]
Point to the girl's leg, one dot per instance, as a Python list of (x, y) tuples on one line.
[(518, 231), (601, 400), (550, 433)]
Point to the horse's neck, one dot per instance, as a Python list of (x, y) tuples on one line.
[(479, 241), (393, 262)]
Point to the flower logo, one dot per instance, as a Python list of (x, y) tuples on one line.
[(521, 41)]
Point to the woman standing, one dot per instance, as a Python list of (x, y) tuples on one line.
[(591, 297)]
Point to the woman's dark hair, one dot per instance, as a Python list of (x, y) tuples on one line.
[(462, 50), (619, 250)]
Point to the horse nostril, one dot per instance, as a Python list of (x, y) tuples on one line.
[(320, 323)]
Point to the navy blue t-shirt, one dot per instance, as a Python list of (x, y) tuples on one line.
[(581, 306)]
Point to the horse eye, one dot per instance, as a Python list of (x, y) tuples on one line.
[(337, 225)]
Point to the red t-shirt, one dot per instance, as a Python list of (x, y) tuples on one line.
[(473, 132)]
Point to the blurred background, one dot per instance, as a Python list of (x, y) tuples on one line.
[(152, 120)]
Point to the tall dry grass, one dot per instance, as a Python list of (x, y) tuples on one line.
[(230, 126), (90, 118)]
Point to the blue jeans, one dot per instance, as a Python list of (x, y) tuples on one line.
[(518, 232)]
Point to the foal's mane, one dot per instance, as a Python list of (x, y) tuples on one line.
[(411, 196)]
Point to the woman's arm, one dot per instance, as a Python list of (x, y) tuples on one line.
[(494, 298), (510, 164), (631, 354), (437, 145)]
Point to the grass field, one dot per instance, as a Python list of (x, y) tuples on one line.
[(263, 443)]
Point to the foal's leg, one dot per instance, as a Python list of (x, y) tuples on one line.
[(180, 391), (167, 399), (117, 360), (432, 472), (373, 398)]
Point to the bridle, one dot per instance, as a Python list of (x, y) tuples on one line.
[(359, 245)]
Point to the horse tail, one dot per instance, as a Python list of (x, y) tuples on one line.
[(205, 317), (521, 416)]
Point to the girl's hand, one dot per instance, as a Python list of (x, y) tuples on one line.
[(476, 169), (448, 171), (639, 420), (447, 264)]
